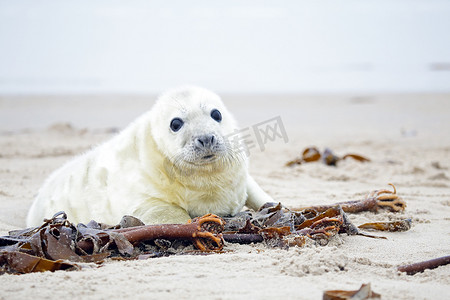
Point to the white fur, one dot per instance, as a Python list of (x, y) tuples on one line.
[(153, 173)]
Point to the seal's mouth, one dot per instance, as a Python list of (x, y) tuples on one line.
[(204, 160)]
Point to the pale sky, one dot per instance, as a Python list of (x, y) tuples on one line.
[(89, 46)]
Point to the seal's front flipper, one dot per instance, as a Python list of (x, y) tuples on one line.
[(155, 211), (256, 197)]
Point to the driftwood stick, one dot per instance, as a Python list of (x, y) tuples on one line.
[(243, 238), (422, 266)]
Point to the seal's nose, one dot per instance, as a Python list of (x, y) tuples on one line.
[(207, 141)]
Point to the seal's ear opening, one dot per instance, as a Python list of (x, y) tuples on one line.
[(176, 124)]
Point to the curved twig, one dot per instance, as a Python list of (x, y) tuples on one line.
[(422, 266)]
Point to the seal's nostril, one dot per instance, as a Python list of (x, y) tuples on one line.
[(206, 141)]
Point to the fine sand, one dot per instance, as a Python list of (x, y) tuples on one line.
[(407, 138)]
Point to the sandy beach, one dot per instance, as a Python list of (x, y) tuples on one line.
[(406, 136)]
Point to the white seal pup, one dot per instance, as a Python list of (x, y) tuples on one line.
[(172, 164)]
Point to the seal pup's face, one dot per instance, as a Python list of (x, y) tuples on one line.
[(190, 127)]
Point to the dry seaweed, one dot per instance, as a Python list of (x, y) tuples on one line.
[(312, 154), (18, 262), (60, 245), (57, 243), (402, 225), (374, 201), (364, 292), (279, 226), (424, 265), (205, 232)]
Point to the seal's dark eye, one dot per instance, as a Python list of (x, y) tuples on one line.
[(216, 115), (176, 124)]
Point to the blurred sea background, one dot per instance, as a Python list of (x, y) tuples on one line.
[(325, 46), (103, 52)]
